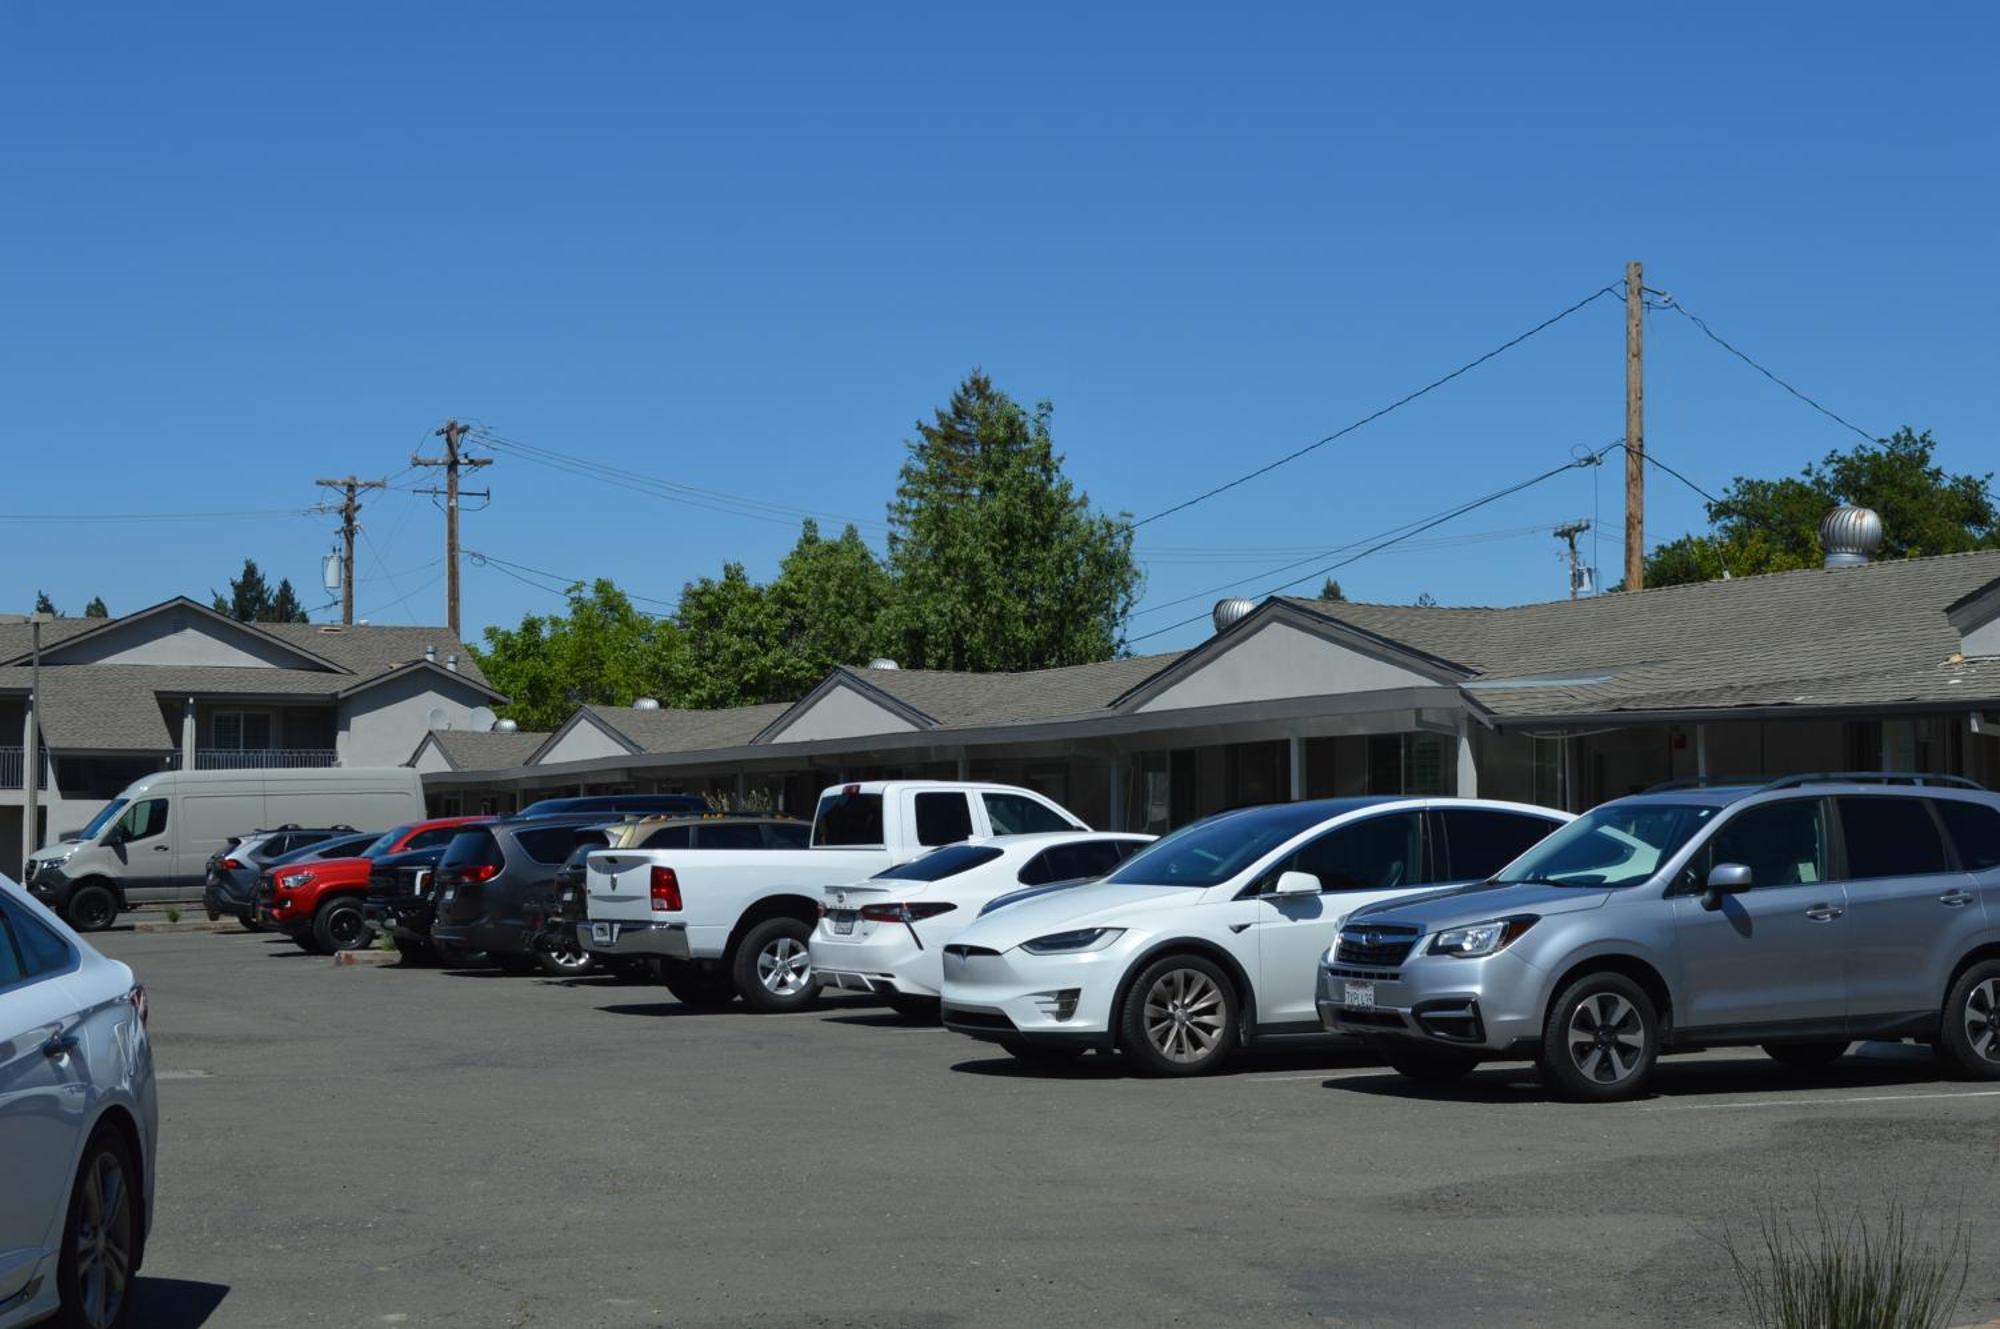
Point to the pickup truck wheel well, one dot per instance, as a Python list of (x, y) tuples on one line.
[(1632, 967), (771, 906), (1246, 995)]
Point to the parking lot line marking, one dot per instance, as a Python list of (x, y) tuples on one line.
[(1798, 1102)]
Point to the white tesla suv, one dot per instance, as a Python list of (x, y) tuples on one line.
[(1211, 937), (887, 934), (78, 1123)]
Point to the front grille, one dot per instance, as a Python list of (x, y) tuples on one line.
[(1373, 1019), (1375, 975), (1375, 945)]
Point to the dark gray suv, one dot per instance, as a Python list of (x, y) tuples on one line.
[(1798, 915)]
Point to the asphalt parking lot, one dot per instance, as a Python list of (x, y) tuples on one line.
[(386, 1146)]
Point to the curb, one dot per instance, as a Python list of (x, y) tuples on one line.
[(188, 925), (366, 959)]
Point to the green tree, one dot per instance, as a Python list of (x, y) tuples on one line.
[(999, 563), (1773, 525), (1331, 591), (285, 606), (251, 599), (829, 605), (44, 605), (96, 608), (602, 651), (730, 655)]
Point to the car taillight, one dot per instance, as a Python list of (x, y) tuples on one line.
[(137, 996), (231, 864), (478, 872), (666, 890), (915, 912)]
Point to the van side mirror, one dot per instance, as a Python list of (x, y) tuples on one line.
[(1724, 879), (1296, 883)]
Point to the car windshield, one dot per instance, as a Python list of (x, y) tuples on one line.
[(1214, 850), (1619, 844), (386, 841), (103, 818)]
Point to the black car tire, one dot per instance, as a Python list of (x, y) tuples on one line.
[(1601, 1000), (1970, 1037), (250, 924), (917, 1010), (1428, 1065), (1047, 1056), (773, 968), (698, 988), (1177, 1002), (107, 1169), (341, 925), (91, 908), (1805, 1056)]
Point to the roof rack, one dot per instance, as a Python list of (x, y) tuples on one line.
[(1762, 782)]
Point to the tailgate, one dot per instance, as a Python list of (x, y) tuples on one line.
[(619, 886)]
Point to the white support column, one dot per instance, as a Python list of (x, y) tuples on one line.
[(190, 734), (1298, 767), (1468, 770)]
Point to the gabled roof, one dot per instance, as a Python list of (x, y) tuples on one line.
[(422, 667), (964, 700), (685, 731), (98, 627), (492, 750)]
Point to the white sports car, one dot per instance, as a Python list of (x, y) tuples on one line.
[(887, 934), (1212, 936)]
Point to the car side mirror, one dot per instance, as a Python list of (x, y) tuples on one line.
[(1296, 883), (1724, 879)]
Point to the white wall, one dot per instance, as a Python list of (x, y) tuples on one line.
[(382, 726), (583, 742), (178, 637), (1278, 660), (430, 758), (843, 713)]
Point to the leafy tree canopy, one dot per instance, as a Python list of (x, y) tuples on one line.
[(251, 599), (96, 608), (1773, 525), (45, 605), (603, 651)]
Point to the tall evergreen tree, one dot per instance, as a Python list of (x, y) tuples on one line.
[(44, 605), (999, 563), (251, 599), (96, 608)]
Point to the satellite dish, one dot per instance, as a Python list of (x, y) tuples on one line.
[(439, 718), (480, 719)]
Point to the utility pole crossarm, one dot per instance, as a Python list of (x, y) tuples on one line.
[(350, 507), (453, 434)]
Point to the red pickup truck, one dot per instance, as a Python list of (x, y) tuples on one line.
[(319, 905)]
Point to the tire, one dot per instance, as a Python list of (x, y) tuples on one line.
[(1805, 1056), (91, 908), (1426, 1064), (572, 961), (340, 925), (1970, 1038), (101, 1235), (917, 1010), (697, 988), (1580, 1063), (1048, 1056), (304, 939), (773, 969), (1179, 1017)]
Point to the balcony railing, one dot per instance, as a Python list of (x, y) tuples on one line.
[(11, 768), (261, 759)]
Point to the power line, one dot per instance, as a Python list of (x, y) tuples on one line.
[(1682, 478), (405, 598), (246, 514), (1667, 301), (1589, 459), (504, 565), (1399, 403)]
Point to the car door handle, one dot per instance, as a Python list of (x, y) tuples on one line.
[(62, 1045), (159, 849), (1954, 899), (1824, 913)]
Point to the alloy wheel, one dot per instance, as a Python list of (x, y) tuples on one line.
[(784, 966), (1607, 1039), (346, 929), (104, 1241), (1184, 1015), (1982, 1020)]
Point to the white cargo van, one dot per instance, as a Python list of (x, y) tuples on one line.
[(152, 842)]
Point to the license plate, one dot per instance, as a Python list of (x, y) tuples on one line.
[(1360, 996), (604, 933), (842, 921)]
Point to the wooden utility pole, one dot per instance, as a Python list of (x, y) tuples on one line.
[(1568, 532), (1635, 429), (452, 433), (349, 508)]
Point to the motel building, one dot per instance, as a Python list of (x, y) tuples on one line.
[(1859, 665)]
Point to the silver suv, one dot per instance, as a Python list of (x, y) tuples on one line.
[(1797, 915)]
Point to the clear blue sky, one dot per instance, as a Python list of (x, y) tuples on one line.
[(741, 247)]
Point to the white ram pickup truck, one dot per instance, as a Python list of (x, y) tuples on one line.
[(729, 922)]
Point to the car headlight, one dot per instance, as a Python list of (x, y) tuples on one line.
[(295, 880), (1073, 943), (1469, 943)]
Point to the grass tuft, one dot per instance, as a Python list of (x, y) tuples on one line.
[(173, 914), (1829, 1273)]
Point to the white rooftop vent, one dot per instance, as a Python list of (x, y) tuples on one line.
[(506, 727), (451, 662), (1230, 612), (1851, 536), (646, 704), (883, 662), (431, 654)]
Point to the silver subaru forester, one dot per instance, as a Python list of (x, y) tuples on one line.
[(1797, 915)]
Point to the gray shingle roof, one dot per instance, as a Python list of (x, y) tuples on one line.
[(1852, 636), (689, 731), (467, 750), (966, 700)]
